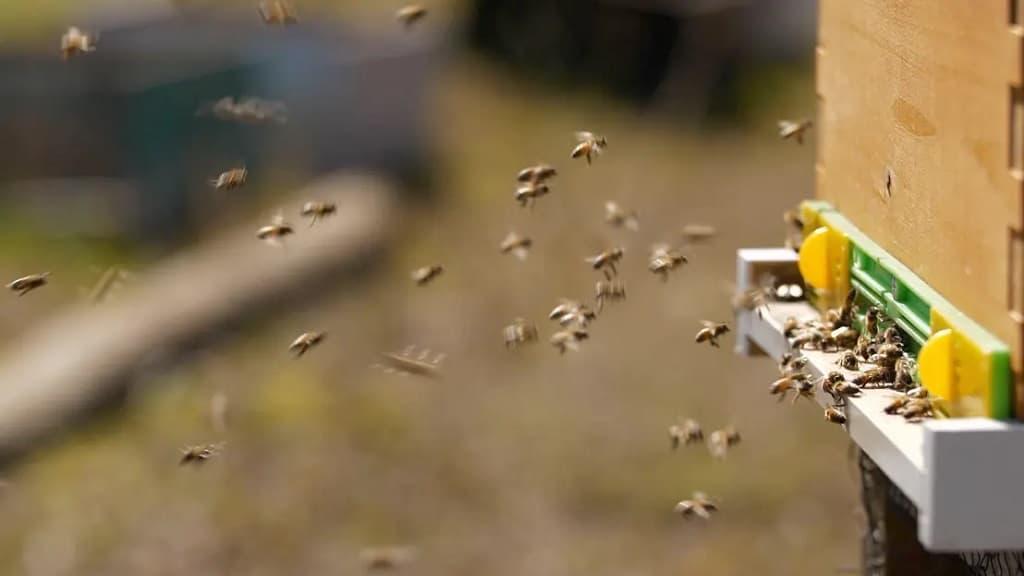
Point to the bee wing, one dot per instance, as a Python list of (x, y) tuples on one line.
[(584, 136), (521, 253)]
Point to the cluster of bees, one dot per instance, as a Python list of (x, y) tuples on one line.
[(874, 354), (881, 350)]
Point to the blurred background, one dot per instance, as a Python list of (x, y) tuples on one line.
[(521, 462)]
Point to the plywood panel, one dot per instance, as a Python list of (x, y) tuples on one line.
[(918, 144)]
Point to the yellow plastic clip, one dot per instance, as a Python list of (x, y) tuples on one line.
[(953, 367), (825, 263)]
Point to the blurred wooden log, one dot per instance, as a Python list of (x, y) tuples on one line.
[(68, 365)]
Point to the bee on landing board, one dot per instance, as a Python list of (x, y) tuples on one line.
[(665, 259), (200, 454), (711, 331), (277, 12), (410, 15), (518, 246), (611, 291), (537, 174), (75, 42), (230, 179), (318, 210), (689, 432), (617, 217), (426, 274), (305, 342), (794, 129), (26, 284), (720, 441), (698, 505), (389, 558), (518, 333), (274, 232), (588, 145)]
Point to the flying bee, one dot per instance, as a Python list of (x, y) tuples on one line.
[(277, 12), (408, 362), (711, 331), (388, 558), (200, 454), (572, 313), (230, 179), (753, 299), (804, 388), (783, 385), (698, 505), (537, 174), (317, 210), (617, 217), (306, 342), (605, 261), (75, 42), (698, 233), (589, 145), (835, 415), (790, 366), (26, 284), (664, 259), (871, 318), (611, 291), (426, 274), (246, 110), (527, 194), (517, 245), (410, 15), (274, 232), (568, 339), (848, 360), (720, 441), (518, 333), (686, 433), (794, 129)]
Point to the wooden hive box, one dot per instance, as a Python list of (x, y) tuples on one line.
[(921, 145)]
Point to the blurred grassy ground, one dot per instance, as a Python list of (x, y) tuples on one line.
[(514, 463)]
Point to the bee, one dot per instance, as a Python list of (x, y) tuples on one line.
[(789, 326), (891, 335), (897, 404), (26, 284), (876, 375), (711, 331), (246, 110), (200, 454), (720, 441), (887, 355), (804, 388), (305, 342), (568, 339), (518, 245), (410, 15), (426, 274), (835, 415), (698, 505), (919, 408), (789, 365), (317, 210), (829, 381), (277, 12), (230, 179), (905, 368), (835, 385), (864, 348), (274, 232), (871, 318), (848, 360), (918, 392), (519, 332), (388, 558), (589, 145), (664, 260), (527, 194), (783, 385), (605, 261), (537, 174), (611, 291), (845, 337), (809, 339), (686, 433), (753, 299), (617, 217), (794, 129), (847, 311), (698, 233), (571, 312), (793, 219), (75, 42), (408, 362)]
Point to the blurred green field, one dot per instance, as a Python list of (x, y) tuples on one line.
[(514, 463)]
